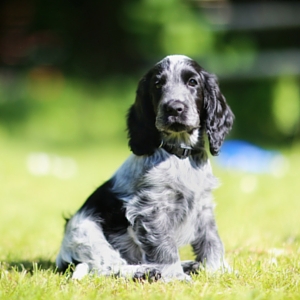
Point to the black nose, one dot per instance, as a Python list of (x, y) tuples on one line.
[(174, 108)]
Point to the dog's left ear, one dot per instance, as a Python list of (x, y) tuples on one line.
[(218, 115)]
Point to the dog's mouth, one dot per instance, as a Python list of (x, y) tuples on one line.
[(176, 127)]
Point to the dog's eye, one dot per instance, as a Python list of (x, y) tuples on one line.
[(192, 82), (158, 84)]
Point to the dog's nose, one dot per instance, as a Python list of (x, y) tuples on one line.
[(174, 108)]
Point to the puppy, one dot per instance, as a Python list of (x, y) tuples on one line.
[(160, 198)]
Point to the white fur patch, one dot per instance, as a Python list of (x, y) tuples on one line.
[(177, 58), (80, 271)]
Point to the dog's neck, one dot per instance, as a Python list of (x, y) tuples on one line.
[(182, 144)]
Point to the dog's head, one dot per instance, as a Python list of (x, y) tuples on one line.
[(176, 102)]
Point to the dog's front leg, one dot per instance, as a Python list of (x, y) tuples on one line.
[(207, 244), (159, 248)]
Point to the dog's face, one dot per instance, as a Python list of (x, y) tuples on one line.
[(175, 100), (176, 95)]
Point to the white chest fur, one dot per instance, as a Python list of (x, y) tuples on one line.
[(172, 190)]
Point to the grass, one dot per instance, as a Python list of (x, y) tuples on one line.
[(259, 226)]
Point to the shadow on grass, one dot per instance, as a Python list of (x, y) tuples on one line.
[(31, 266)]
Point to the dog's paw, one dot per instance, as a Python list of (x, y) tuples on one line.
[(218, 268), (80, 271), (174, 272), (191, 267), (147, 274)]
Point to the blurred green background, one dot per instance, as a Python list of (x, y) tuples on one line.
[(69, 71), (65, 66)]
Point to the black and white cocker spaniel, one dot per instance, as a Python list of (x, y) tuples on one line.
[(160, 198)]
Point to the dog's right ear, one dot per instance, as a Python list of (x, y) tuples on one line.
[(142, 133)]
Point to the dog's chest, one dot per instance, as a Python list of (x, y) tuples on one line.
[(170, 188), (160, 171), (176, 174), (174, 179)]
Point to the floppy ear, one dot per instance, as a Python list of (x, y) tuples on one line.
[(142, 133), (218, 115)]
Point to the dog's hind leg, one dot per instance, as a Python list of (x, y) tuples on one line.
[(85, 245)]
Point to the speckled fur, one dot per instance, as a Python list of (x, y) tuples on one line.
[(134, 224)]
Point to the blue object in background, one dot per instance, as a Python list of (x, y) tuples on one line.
[(243, 156)]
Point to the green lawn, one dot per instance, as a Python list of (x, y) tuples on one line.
[(43, 179), (260, 230)]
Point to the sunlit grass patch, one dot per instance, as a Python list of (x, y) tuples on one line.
[(259, 230)]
